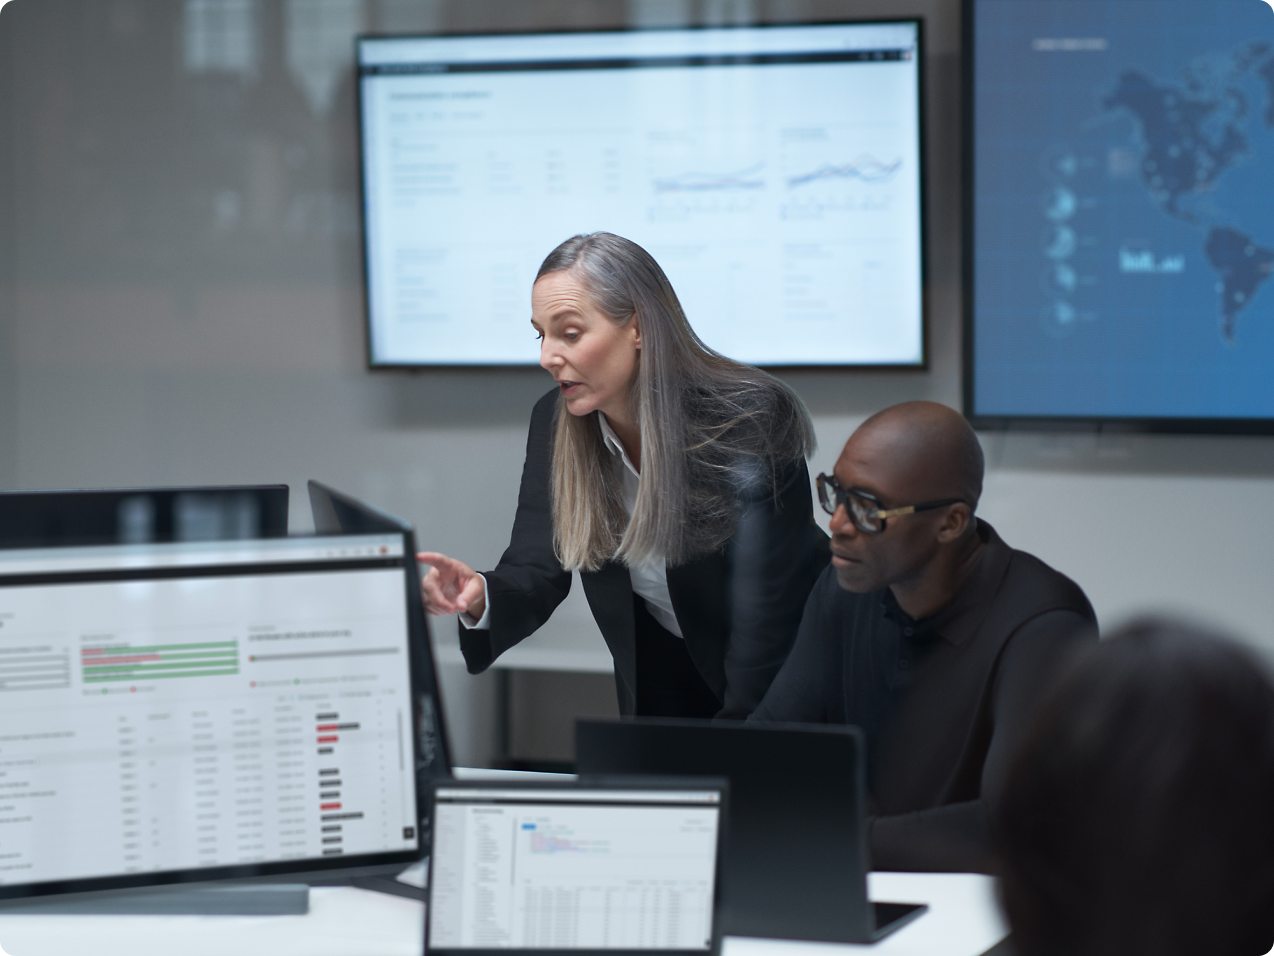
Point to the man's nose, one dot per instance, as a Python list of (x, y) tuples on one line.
[(840, 523)]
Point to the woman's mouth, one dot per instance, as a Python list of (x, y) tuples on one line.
[(568, 387)]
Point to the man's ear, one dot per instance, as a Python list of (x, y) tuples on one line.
[(955, 522)]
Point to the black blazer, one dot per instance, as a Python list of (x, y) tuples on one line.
[(738, 607)]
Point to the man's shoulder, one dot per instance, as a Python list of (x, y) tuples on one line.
[(1035, 588)]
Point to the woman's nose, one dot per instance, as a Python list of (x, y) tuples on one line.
[(549, 359)]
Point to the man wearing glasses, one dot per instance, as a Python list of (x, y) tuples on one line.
[(928, 632)]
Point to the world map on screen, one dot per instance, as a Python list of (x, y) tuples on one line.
[(1192, 132), (1123, 251)]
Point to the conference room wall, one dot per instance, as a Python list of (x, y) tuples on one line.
[(180, 302)]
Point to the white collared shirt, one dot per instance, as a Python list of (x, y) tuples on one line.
[(650, 581)]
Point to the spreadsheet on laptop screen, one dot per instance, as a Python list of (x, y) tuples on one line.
[(177, 707), (578, 869)]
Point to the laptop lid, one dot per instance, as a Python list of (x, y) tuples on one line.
[(596, 866), (796, 866)]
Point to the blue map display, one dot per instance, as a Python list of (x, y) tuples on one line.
[(1124, 209)]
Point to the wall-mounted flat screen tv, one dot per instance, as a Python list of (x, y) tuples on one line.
[(774, 172), (1120, 216)]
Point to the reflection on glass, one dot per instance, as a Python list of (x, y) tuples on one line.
[(135, 520), (319, 46), (215, 517), (655, 14), (220, 36)]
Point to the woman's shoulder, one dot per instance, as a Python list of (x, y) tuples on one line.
[(546, 405), (543, 422), (754, 417)]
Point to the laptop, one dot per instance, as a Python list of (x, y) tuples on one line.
[(796, 866), (594, 866)]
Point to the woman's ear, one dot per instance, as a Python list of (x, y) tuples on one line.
[(636, 332)]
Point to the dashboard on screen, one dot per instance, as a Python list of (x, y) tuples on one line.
[(198, 710), (774, 173), (1121, 211)]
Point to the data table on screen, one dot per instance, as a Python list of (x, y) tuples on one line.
[(191, 706), (547, 875)]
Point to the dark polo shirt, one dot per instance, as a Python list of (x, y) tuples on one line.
[(943, 701)]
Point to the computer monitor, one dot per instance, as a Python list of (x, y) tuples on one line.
[(796, 865), (1119, 243), (774, 172), (628, 865), (190, 711), (33, 519)]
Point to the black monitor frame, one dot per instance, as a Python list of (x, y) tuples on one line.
[(1074, 423)]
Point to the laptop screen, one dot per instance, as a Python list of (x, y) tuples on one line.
[(204, 709), (577, 868)]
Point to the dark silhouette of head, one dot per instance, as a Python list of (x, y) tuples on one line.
[(1138, 817)]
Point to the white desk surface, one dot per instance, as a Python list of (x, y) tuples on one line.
[(963, 920)]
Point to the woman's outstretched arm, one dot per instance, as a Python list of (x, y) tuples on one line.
[(529, 582)]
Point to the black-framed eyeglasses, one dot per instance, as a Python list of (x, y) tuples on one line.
[(863, 509)]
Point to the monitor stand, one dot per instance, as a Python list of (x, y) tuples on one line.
[(410, 883), (232, 899), (264, 899)]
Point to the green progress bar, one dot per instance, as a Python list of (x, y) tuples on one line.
[(129, 651), (157, 666), (131, 677)]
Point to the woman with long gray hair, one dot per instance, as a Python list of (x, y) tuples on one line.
[(670, 477)]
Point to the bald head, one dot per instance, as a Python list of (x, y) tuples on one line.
[(914, 454), (922, 451)]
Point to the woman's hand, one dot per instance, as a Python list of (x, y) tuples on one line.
[(451, 586)]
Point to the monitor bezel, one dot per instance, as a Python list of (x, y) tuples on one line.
[(598, 782), (1131, 424), (304, 869), (922, 365)]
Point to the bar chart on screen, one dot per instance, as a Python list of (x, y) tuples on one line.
[(196, 706), (158, 661)]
